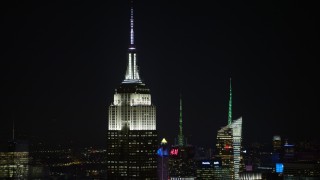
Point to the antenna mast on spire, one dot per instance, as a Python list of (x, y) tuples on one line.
[(230, 105), (180, 136), (132, 73), (13, 130), (131, 27)]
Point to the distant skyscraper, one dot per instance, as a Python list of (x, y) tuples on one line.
[(230, 105), (132, 136), (224, 147), (14, 162), (277, 149), (288, 152), (277, 145), (229, 149), (181, 161), (228, 146), (163, 160), (180, 136), (14, 159)]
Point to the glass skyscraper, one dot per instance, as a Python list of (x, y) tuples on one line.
[(229, 150), (228, 146)]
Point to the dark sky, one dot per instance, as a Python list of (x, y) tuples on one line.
[(61, 61)]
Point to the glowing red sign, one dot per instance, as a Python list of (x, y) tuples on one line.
[(174, 152), (227, 146)]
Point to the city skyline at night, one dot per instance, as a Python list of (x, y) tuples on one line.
[(61, 62)]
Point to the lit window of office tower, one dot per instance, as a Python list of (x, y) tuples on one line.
[(132, 136), (229, 146), (225, 153)]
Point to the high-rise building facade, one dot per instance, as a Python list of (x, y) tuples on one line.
[(236, 126), (276, 143), (132, 135), (206, 168), (225, 153), (277, 149), (14, 161), (228, 146), (229, 150)]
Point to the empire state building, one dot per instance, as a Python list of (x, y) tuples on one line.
[(132, 135)]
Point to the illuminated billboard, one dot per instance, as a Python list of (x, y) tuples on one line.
[(279, 168), (174, 152), (162, 152)]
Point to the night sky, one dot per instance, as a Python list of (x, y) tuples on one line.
[(61, 62)]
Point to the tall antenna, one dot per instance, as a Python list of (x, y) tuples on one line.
[(230, 105), (131, 27), (180, 136), (13, 129), (132, 73)]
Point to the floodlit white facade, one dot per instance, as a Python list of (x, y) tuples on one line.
[(236, 126), (133, 110), (132, 74), (132, 105), (132, 99)]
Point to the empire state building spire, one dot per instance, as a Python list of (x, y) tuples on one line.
[(131, 30), (132, 137), (132, 73)]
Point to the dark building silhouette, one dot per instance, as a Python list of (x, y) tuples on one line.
[(181, 162), (277, 144)]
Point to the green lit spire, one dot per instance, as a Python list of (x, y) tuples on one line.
[(180, 136), (230, 106)]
